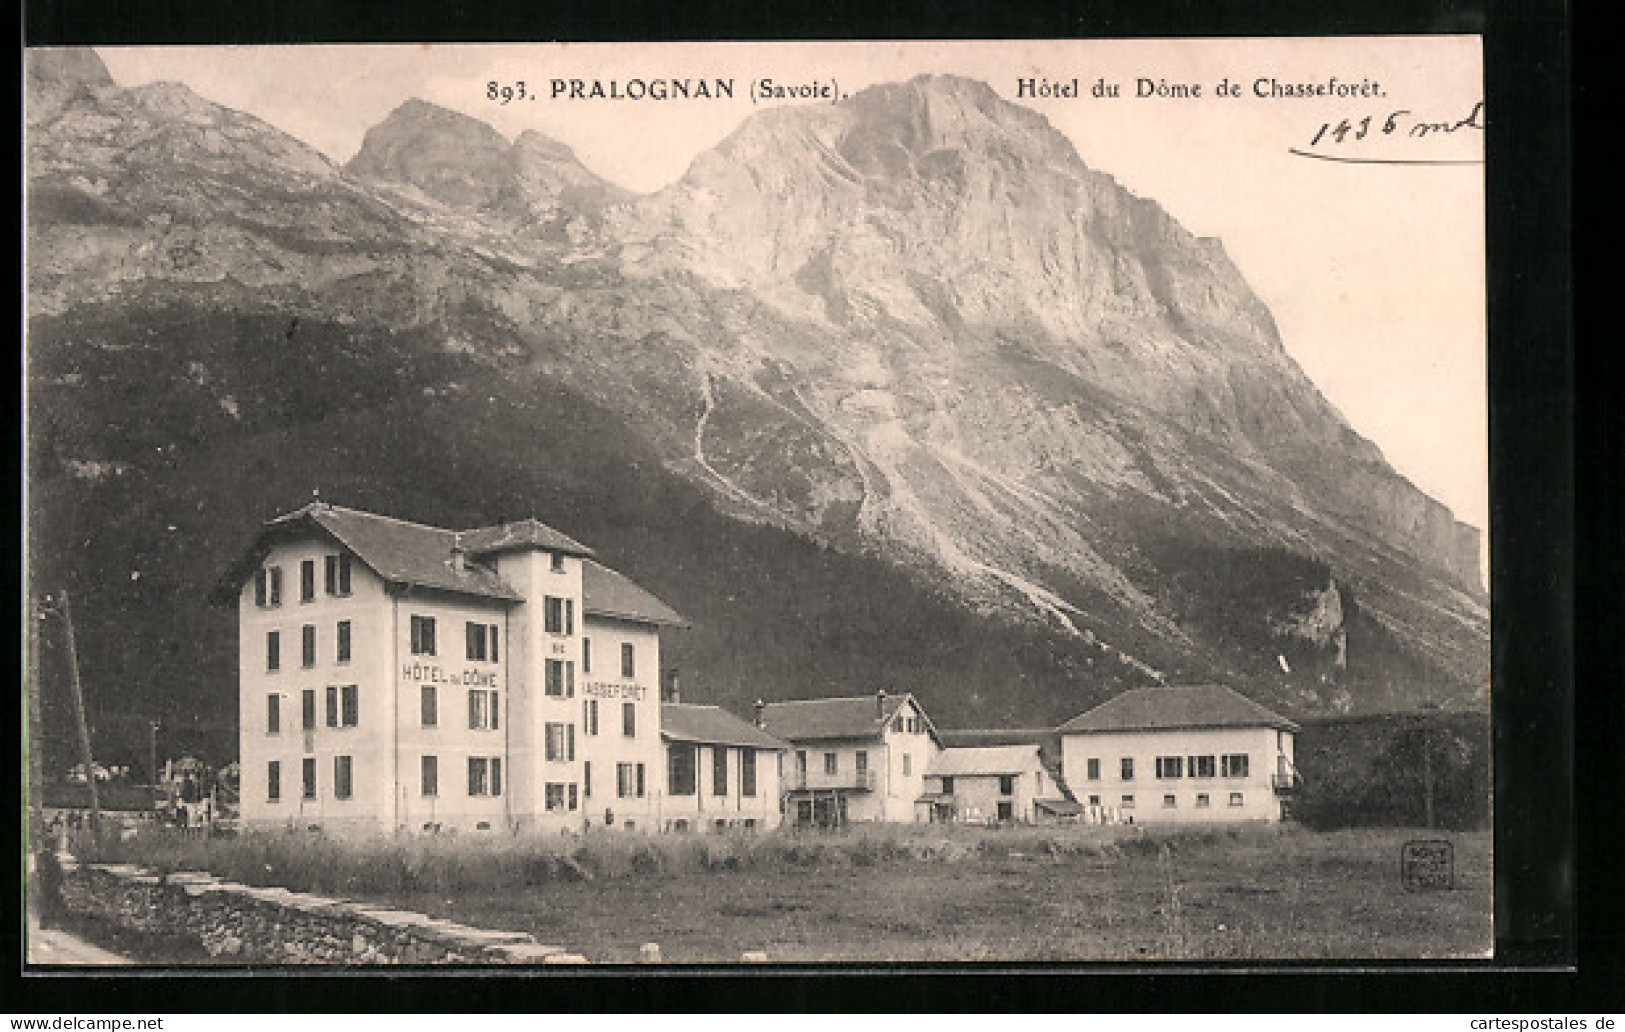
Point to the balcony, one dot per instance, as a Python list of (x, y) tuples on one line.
[(816, 781), (1285, 784)]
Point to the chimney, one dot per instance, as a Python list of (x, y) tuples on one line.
[(880, 704), (459, 558), (761, 714)]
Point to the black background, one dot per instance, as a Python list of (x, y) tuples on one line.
[(1557, 752)]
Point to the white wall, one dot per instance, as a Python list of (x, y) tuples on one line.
[(704, 808), (369, 611), (604, 683), (1264, 748)]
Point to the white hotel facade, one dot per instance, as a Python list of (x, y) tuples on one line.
[(398, 676)]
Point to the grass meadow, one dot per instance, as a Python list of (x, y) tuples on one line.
[(890, 893)]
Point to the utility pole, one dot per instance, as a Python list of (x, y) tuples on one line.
[(79, 718), (36, 741), (152, 766)]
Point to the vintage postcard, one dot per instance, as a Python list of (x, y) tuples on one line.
[(757, 504)]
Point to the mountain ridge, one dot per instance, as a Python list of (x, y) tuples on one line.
[(984, 367)]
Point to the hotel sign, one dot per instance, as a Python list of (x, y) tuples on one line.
[(613, 690), (431, 673)]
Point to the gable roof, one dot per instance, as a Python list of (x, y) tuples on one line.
[(399, 551), (985, 760), (607, 593), (1168, 708), (523, 534), (402, 552), (855, 716), (712, 725)]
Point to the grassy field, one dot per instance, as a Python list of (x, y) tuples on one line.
[(906, 893)]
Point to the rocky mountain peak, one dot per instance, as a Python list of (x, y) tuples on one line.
[(55, 74), (463, 163)]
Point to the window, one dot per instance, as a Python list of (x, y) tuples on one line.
[(1126, 769), (342, 640), (273, 714), (1168, 802), (1127, 803), (554, 796), (1202, 766), (862, 763), (747, 772), (1006, 812), (586, 655), (589, 717), (307, 709), (268, 587), (1007, 785), (1235, 798), (273, 781), (557, 561), (680, 769), (801, 763), (429, 776), (558, 615), (559, 742), (484, 776), (1170, 767), (349, 705), (586, 778), (307, 772), (430, 705), (273, 651), (481, 641), (1233, 765), (1202, 800), (560, 679), (1094, 800), (307, 580), (719, 770), (629, 666), (307, 645), (341, 765), (422, 635), (831, 763), (907, 764), (338, 575), (629, 782), (483, 706), (947, 786), (629, 719), (332, 705), (574, 802), (1094, 769)]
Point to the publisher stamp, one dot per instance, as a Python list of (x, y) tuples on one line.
[(1427, 865)]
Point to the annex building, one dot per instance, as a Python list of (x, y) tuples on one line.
[(394, 675), (1202, 753), (856, 758)]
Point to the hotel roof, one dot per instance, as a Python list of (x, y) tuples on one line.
[(712, 725), (415, 554), (607, 593), (1170, 708)]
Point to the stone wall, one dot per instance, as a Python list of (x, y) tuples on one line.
[(244, 924)]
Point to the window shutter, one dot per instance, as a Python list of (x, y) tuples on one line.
[(332, 706)]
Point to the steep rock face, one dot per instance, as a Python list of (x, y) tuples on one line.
[(462, 163), (912, 326)]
